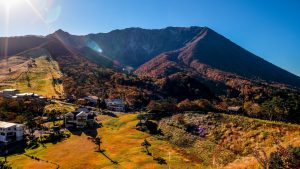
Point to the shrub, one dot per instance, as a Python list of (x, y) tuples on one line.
[(196, 105), (283, 158), (4, 165)]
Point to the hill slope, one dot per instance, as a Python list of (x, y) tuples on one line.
[(32, 71)]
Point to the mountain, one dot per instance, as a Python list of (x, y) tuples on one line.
[(213, 56), (135, 46), (197, 51)]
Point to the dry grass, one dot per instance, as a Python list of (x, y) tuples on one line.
[(37, 79), (238, 136), (121, 144)]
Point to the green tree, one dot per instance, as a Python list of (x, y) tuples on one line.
[(31, 124), (275, 109)]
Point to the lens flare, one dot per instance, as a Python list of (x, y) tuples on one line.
[(52, 14), (93, 45), (10, 3)]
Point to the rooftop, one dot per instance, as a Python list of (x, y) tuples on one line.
[(4, 124), (9, 90), (27, 94)]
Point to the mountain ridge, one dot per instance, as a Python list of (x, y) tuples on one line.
[(199, 49)]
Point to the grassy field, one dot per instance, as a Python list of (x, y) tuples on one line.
[(37, 79), (121, 142)]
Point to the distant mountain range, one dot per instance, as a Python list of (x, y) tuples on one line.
[(196, 51)]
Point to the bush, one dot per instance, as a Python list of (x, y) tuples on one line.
[(54, 137), (196, 105), (4, 165), (283, 158), (276, 161)]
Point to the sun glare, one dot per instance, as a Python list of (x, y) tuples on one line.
[(10, 3)]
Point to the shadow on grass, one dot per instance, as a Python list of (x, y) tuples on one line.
[(111, 160), (109, 114), (91, 132), (39, 159), (15, 148), (76, 132), (159, 160)]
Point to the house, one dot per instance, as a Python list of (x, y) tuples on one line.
[(91, 100), (80, 118), (76, 119), (9, 93), (10, 132), (115, 104)]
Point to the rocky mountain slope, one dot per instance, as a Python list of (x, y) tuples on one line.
[(198, 52), (213, 56)]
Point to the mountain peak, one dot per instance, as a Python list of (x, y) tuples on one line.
[(60, 33)]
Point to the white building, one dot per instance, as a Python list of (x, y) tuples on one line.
[(115, 104), (9, 92), (11, 131)]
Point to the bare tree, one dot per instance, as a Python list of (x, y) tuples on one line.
[(98, 142)]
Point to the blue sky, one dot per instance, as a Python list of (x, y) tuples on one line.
[(268, 28)]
